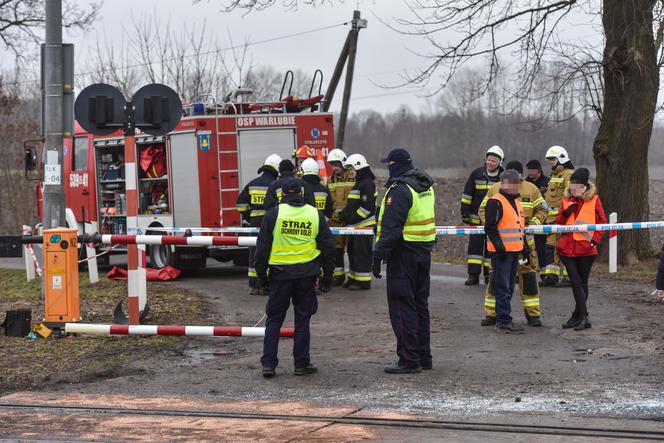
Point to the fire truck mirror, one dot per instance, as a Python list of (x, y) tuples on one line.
[(99, 109), (30, 158), (157, 109)]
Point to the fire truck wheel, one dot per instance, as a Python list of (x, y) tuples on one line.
[(160, 256)]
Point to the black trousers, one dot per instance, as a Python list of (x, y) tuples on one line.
[(359, 257), (408, 285), (305, 304), (251, 270), (479, 257), (578, 269), (540, 247)]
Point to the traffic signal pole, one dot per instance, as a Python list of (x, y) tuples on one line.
[(54, 191)]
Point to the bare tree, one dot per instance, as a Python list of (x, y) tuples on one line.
[(21, 21)]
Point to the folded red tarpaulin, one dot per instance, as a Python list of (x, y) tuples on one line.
[(167, 273)]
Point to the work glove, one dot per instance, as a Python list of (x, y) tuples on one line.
[(570, 210), (263, 280), (325, 283), (375, 267)]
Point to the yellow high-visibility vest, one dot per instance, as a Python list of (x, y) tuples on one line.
[(294, 236), (421, 221)]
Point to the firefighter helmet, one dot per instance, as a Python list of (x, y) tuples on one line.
[(303, 151), (309, 167), (496, 151), (272, 161), (336, 155), (558, 152), (356, 161)]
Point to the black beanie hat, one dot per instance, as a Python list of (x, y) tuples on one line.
[(534, 164), (286, 166), (516, 165), (581, 175)]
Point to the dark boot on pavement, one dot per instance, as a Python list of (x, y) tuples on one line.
[(510, 328), (572, 322), (488, 321), (306, 370), (361, 286), (398, 369), (473, 280), (254, 291), (583, 324), (535, 322), (269, 372)]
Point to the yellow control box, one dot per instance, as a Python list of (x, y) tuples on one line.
[(61, 299)]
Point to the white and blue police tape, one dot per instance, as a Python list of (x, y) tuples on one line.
[(440, 230)]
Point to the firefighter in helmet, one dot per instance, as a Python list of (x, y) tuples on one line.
[(535, 213), (250, 205), (360, 212), (274, 192), (477, 185), (314, 187), (562, 169), (340, 185), (300, 155)]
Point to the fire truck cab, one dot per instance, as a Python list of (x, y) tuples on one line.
[(191, 177)]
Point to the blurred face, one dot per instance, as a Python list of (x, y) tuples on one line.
[(492, 163), (552, 161), (577, 189), (533, 174), (337, 167), (510, 187)]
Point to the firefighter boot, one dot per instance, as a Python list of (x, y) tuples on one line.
[(488, 321), (473, 280), (535, 322), (254, 291)]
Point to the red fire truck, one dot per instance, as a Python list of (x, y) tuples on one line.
[(192, 176)]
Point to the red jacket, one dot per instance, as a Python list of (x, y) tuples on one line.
[(567, 245)]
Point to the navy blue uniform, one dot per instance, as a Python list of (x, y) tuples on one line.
[(313, 187), (660, 271), (274, 191), (291, 282), (408, 272)]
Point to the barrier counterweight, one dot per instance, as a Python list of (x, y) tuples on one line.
[(151, 330)]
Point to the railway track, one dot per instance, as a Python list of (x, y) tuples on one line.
[(429, 424)]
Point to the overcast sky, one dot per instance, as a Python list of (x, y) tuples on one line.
[(382, 53)]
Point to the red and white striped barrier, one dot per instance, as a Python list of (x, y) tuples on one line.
[(190, 331), (199, 240)]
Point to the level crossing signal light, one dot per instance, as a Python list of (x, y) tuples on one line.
[(101, 109)]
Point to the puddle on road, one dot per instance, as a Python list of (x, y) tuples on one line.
[(197, 356)]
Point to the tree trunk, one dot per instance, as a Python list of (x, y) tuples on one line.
[(631, 84)]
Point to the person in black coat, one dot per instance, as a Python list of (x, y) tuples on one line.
[(273, 196), (660, 276)]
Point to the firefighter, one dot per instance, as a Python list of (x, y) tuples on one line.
[(340, 184), (405, 236), (562, 169), (360, 212), (300, 155), (536, 176), (273, 195), (250, 205), (294, 242), (535, 213), (504, 229), (477, 185), (314, 187)]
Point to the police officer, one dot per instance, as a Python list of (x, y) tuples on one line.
[(479, 182), (294, 242), (360, 212), (273, 195), (561, 172), (250, 204), (535, 213), (504, 226), (313, 186), (405, 236), (340, 185)]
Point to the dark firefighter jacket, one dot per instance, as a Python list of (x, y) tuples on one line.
[(250, 202), (322, 197), (361, 207), (474, 191), (273, 196)]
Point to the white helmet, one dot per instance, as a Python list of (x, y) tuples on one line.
[(336, 155), (356, 161), (273, 161), (309, 167), (559, 153), (496, 151)]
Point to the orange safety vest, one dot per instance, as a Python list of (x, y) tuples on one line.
[(586, 217), (510, 226)]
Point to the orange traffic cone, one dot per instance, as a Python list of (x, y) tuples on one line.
[(322, 166)]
